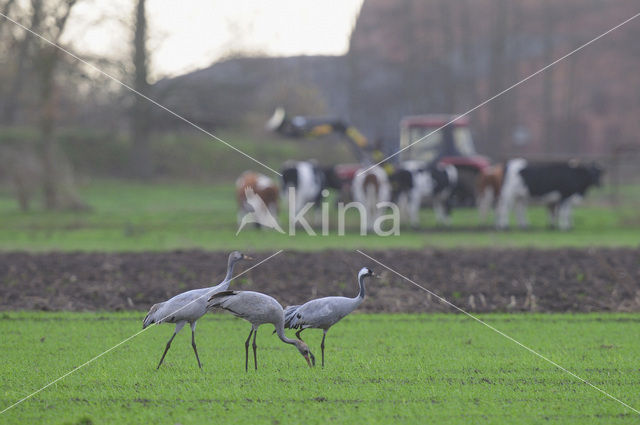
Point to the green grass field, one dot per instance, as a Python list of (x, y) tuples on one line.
[(380, 369), (134, 217)]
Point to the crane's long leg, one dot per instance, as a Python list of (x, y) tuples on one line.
[(193, 343), (255, 358), (246, 351), (179, 326), (322, 345), (298, 335)]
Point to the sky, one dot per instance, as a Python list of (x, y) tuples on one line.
[(191, 34)]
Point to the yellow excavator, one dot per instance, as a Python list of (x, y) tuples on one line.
[(301, 126)]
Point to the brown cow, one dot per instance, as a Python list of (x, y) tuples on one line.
[(250, 184), (488, 185)]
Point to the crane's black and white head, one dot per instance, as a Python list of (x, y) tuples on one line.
[(306, 353), (365, 272), (237, 256)]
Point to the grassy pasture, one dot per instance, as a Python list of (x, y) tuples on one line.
[(130, 216), (135, 217), (380, 369)]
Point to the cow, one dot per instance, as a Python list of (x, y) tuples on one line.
[(309, 181), (257, 194), (369, 187), (559, 185), (488, 186), (415, 180)]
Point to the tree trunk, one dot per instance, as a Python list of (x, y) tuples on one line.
[(141, 165), (6, 9), (58, 185), (468, 46), (448, 48), (547, 78), (12, 103), (496, 134)]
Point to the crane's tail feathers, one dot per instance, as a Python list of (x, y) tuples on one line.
[(289, 314), (290, 320), (221, 294), (216, 300)]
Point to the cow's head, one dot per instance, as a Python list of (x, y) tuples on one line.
[(595, 172)]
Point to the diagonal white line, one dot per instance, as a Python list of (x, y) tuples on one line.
[(175, 114), (125, 340), (577, 49), (501, 333)]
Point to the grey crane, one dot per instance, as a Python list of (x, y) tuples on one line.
[(257, 309), (189, 307), (322, 313)]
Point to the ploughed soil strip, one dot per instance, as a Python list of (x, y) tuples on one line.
[(478, 280)]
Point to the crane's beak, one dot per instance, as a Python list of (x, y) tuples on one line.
[(313, 360), (246, 257)]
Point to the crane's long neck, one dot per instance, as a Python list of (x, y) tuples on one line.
[(224, 285), (230, 264), (362, 290), (280, 331)]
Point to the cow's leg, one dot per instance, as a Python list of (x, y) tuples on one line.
[(448, 207), (562, 214), (521, 212), (575, 200), (513, 188), (403, 206), (370, 194), (565, 220), (439, 208), (414, 207), (484, 203), (505, 204), (552, 210)]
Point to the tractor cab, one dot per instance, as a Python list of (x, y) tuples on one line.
[(434, 139)]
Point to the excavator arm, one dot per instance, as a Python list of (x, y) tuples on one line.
[(301, 126)]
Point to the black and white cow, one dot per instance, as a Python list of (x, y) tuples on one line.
[(415, 180), (370, 187), (308, 180), (559, 185)]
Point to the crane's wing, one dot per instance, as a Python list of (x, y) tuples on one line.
[(320, 313), (227, 300), (289, 315)]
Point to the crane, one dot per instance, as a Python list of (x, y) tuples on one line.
[(322, 313), (189, 307), (257, 309)]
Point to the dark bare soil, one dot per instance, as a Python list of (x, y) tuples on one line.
[(475, 280)]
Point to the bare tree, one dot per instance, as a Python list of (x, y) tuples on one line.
[(468, 52), (6, 9), (548, 18), (496, 127), (449, 46), (58, 186), (141, 164), (24, 45)]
